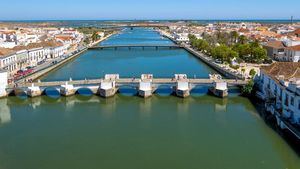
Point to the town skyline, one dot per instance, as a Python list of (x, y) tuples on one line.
[(150, 10)]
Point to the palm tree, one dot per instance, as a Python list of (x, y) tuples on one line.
[(234, 36), (242, 39), (94, 36)]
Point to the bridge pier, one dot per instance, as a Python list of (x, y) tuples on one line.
[(145, 85), (182, 88), (34, 91), (67, 90), (219, 87), (3, 83), (108, 85)]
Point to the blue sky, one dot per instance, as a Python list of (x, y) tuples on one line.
[(148, 9)]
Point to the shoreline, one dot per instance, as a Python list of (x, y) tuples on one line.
[(36, 75), (205, 59)]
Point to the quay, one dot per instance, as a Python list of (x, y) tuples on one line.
[(109, 85), (207, 60), (60, 62)]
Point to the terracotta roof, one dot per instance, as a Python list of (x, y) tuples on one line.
[(294, 48), (5, 52), (38, 45), (297, 31), (244, 30), (286, 69), (64, 38), (275, 44)]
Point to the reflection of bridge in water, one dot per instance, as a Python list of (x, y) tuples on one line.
[(130, 46)]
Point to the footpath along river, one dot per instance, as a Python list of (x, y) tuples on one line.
[(125, 131)]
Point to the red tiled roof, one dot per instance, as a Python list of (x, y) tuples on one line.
[(275, 44), (5, 51), (294, 48), (297, 31), (38, 45), (287, 69)]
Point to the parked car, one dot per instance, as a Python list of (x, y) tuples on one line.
[(218, 61)]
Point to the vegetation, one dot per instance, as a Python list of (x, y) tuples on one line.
[(228, 46), (90, 30), (248, 88), (252, 73)]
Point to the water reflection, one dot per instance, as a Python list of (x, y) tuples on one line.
[(5, 116), (145, 107), (221, 105), (197, 122)]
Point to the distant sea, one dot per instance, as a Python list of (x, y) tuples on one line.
[(108, 23)]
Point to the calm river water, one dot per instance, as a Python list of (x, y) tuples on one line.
[(125, 131)]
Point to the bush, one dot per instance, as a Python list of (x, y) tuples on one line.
[(236, 67), (252, 73), (248, 88)]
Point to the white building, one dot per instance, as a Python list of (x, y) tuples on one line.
[(181, 37), (36, 55), (280, 84), (8, 60), (292, 53)]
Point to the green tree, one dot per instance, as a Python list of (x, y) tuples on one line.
[(248, 88), (221, 52), (252, 73), (95, 36), (242, 39), (234, 36), (243, 70), (244, 50), (86, 41), (258, 55)]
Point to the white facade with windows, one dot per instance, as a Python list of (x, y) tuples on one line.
[(281, 88)]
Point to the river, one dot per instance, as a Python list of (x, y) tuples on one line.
[(161, 132)]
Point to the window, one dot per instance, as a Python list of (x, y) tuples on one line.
[(292, 101), (299, 104)]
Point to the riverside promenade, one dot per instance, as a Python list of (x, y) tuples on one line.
[(56, 63), (207, 60)]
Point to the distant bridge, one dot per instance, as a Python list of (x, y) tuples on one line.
[(130, 46)]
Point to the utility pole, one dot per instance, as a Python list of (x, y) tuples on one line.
[(292, 19)]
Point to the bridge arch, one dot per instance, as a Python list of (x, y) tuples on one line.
[(84, 91), (199, 90), (128, 90), (51, 92), (164, 90), (19, 92)]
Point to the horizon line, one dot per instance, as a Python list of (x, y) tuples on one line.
[(183, 19)]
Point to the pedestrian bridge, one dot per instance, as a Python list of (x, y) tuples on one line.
[(110, 84), (130, 46)]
